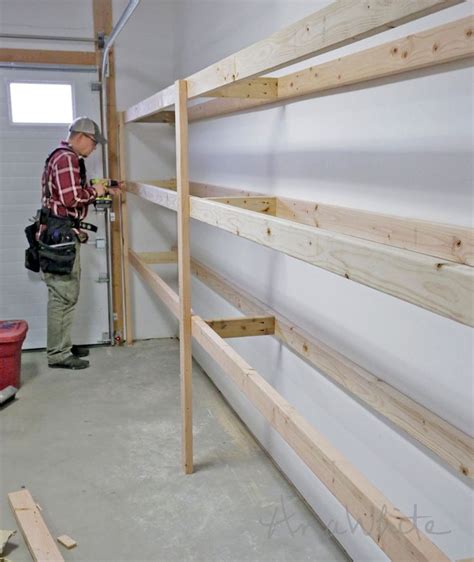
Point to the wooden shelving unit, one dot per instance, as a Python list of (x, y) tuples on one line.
[(424, 263)]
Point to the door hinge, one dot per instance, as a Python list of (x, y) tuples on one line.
[(96, 86), (100, 243), (103, 278)]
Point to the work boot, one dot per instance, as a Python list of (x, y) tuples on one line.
[(79, 351), (71, 362)]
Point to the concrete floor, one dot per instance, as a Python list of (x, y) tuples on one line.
[(99, 450)]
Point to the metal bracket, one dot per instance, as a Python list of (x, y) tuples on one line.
[(103, 278), (101, 40)]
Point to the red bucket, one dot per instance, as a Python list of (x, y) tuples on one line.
[(12, 336)]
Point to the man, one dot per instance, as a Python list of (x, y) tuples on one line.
[(66, 198)]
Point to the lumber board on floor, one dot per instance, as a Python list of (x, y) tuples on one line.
[(243, 327), (452, 445), (41, 544)]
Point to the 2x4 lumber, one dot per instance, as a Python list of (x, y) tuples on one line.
[(257, 203), (439, 45), (146, 108), (158, 257), (184, 273), (161, 196), (451, 444), (381, 520), (208, 190), (340, 23), (102, 14), (259, 88), (40, 543), (243, 327), (442, 287), (124, 236), (154, 281), (444, 241), (35, 56)]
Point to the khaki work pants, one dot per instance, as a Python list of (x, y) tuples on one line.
[(63, 294)]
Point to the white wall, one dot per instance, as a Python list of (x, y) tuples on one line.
[(144, 65), (397, 146)]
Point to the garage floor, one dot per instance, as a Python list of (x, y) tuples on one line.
[(99, 450)]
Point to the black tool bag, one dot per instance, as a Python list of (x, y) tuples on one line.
[(32, 260), (57, 246)]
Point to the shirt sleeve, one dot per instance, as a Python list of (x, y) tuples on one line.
[(68, 182)]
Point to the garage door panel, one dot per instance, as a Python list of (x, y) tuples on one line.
[(23, 150)]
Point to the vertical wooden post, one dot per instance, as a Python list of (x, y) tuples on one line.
[(124, 223), (184, 268), (102, 12)]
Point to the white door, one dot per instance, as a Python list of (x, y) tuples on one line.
[(23, 150)]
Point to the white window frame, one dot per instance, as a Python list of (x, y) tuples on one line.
[(9, 81)]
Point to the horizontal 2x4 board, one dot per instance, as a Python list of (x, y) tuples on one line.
[(448, 242), (449, 42), (380, 519), (449, 443), (445, 288), (340, 23), (35, 56)]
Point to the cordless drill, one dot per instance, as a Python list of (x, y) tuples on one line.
[(105, 201)]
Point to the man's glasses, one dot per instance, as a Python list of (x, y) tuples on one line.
[(91, 138)]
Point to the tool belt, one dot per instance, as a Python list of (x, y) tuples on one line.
[(55, 250)]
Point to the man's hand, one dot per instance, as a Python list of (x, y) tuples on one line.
[(117, 189), (100, 188)]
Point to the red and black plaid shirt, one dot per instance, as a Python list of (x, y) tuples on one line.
[(69, 197)]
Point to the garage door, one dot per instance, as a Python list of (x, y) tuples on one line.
[(23, 150)]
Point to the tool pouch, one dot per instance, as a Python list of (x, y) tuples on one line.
[(32, 260), (57, 246)]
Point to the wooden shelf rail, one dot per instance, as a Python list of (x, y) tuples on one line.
[(450, 42), (339, 24), (380, 519), (443, 287), (452, 445)]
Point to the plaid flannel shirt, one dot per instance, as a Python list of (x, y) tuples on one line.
[(69, 197)]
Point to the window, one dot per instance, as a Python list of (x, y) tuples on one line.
[(45, 103)]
